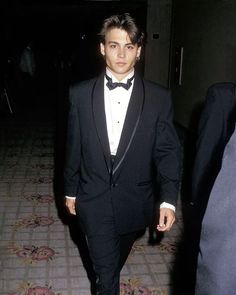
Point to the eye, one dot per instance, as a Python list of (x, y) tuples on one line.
[(130, 47), (112, 46)]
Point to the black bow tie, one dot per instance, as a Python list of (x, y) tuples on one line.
[(112, 85)]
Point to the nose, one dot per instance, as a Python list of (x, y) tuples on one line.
[(121, 52)]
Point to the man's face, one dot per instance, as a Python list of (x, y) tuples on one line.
[(120, 54)]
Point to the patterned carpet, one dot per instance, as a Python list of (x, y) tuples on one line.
[(39, 254)]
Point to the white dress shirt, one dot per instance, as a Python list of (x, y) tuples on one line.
[(116, 104)]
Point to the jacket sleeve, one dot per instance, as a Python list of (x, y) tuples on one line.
[(167, 154), (73, 148)]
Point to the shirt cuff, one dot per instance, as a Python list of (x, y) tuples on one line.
[(163, 204), (167, 205)]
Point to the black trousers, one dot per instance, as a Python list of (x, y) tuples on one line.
[(109, 251)]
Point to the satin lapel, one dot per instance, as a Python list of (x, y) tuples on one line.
[(100, 118), (131, 122)]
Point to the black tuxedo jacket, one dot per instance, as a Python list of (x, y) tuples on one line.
[(149, 150), (216, 125)]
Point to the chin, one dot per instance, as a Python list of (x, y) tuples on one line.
[(122, 71)]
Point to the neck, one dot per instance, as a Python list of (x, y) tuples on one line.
[(118, 76)]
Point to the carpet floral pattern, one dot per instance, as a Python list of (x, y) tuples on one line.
[(38, 255)]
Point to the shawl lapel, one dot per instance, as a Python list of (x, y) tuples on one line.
[(99, 117), (131, 122)]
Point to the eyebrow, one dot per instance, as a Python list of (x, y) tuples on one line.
[(114, 42)]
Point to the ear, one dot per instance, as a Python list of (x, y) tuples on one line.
[(102, 49), (138, 52)]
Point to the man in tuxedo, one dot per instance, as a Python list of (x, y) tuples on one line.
[(121, 140)]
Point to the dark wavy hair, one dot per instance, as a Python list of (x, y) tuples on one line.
[(124, 22)]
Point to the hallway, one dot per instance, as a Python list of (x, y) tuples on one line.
[(38, 252)]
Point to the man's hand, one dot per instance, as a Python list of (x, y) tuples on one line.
[(70, 205), (166, 220)]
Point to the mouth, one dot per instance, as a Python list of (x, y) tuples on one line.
[(121, 63)]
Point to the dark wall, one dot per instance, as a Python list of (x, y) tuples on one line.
[(206, 31)]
